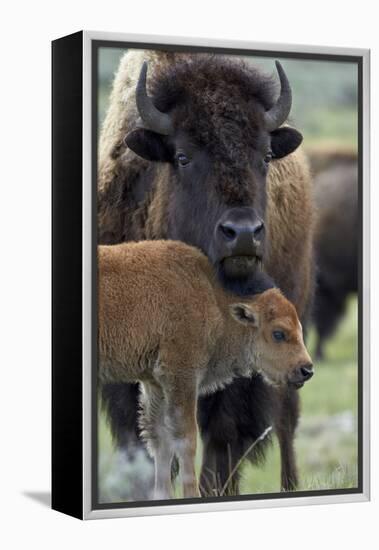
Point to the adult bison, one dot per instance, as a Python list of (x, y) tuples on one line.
[(336, 243), (198, 154)]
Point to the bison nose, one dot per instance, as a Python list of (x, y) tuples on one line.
[(234, 232), (306, 371)]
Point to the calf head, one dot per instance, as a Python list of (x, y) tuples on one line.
[(277, 338)]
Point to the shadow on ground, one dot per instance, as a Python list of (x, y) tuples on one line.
[(41, 497)]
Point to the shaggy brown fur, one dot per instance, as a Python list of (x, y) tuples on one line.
[(166, 322), (219, 103)]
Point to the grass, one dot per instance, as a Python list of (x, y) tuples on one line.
[(326, 443)]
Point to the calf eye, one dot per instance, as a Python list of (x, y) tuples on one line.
[(182, 159), (278, 336)]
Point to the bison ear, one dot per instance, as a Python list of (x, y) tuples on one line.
[(284, 141), (244, 314), (148, 145)]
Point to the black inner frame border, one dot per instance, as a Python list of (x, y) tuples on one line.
[(355, 59)]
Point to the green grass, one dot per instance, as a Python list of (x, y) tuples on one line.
[(326, 442)]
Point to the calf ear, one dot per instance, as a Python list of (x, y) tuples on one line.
[(244, 314), (148, 145), (284, 141)]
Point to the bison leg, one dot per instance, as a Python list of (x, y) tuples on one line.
[(330, 304), (219, 473), (231, 420), (120, 403), (287, 416), (208, 476)]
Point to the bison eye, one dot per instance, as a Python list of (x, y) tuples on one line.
[(182, 159), (278, 336), (268, 157)]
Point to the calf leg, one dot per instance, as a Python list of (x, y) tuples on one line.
[(157, 437), (163, 457), (181, 400)]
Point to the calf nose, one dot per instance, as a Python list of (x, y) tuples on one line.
[(307, 371), (234, 232)]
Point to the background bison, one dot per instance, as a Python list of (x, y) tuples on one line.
[(336, 239)]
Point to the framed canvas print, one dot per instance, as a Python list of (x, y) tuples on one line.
[(210, 275)]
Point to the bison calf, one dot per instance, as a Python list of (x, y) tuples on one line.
[(166, 322)]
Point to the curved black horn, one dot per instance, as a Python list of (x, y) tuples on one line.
[(280, 111), (152, 118)]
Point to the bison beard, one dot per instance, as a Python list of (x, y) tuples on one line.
[(135, 197)]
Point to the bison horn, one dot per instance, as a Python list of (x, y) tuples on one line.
[(152, 118), (280, 111)]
